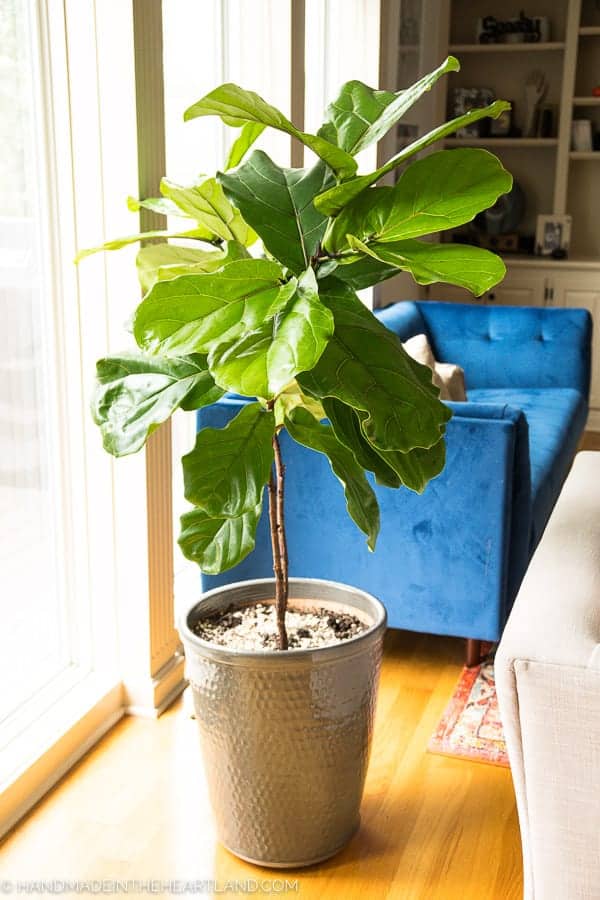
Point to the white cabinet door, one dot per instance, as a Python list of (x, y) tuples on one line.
[(582, 290), (518, 289)]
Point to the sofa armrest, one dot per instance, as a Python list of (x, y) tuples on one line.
[(548, 682)]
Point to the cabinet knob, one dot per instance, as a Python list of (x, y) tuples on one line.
[(491, 296)]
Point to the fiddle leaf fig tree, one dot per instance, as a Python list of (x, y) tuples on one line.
[(261, 301)]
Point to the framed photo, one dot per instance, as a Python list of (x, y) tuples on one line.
[(552, 235), (465, 99)]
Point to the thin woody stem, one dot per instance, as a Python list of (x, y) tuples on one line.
[(280, 473), (278, 567)]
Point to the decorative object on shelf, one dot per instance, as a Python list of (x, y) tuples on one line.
[(496, 229), (546, 120), (502, 126), (596, 91), (405, 135), (466, 99), (552, 237), (536, 87), (581, 135), (524, 29)]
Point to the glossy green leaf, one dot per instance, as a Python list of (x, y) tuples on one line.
[(278, 204), (218, 543), (162, 262), (292, 397), (361, 115), (159, 205), (361, 501), (332, 201), (414, 469), (137, 393), (438, 192), (365, 366), (236, 106), (191, 313), (472, 268), (226, 471), (260, 362), (199, 234), (208, 205), (417, 467), (249, 133), (346, 424), (360, 271)]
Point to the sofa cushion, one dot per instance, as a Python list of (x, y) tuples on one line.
[(556, 417), (450, 379)]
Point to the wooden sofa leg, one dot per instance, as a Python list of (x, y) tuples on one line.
[(473, 653)]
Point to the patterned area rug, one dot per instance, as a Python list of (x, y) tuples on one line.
[(470, 727)]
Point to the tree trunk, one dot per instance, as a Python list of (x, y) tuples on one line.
[(279, 543)]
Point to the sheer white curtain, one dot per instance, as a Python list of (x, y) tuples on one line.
[(32, 549), (342, 44), (205, 44)]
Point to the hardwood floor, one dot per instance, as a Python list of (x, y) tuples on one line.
[(432, 827), (590, 441)]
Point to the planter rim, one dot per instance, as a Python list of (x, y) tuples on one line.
[(349, 647)]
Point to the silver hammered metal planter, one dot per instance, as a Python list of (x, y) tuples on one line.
[(286, 735)]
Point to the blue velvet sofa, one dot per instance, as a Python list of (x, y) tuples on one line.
[(450, 561)]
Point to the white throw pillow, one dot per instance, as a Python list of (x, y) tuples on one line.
[(449, 378)]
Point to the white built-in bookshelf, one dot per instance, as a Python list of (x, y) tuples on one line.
[(556, 179)]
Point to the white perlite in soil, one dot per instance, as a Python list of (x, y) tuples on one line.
[(255, 628)]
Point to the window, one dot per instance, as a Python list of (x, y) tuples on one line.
[(58, 667)]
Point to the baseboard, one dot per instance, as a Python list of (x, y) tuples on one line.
[(153, 696)]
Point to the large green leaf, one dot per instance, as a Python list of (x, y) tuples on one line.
[(438, 192), (249, 133), (365, 366), (208, 205), (260, 362), (361, 115), (472, 268), (136, 393), (199, 234), (226, 471), (218, 543), (359, 271), (417, 467), (278, 204), (162, 262), (191, 313), (345, 422), (414, 469), (332, 201), (236, 106), (361, 501)]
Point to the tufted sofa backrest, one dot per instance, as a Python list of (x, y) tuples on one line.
[(502, 346)]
